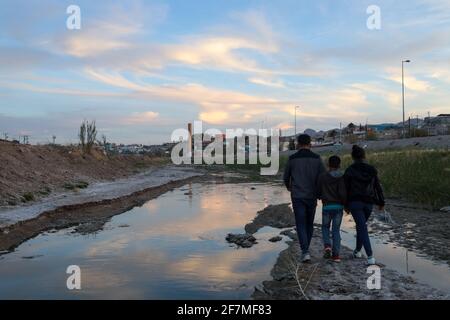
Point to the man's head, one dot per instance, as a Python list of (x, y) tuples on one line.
[(334, 162), (358, 153), (304, 141)]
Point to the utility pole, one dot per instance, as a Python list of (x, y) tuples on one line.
[(295, 121), (340, 132), (417, 123), (365, 131), (409, 126), (403, 94)]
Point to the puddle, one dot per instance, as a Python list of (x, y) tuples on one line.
[(398, 258), (173, 247)]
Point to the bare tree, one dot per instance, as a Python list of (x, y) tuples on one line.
[(104, 140), (82, 135), (87, 135)]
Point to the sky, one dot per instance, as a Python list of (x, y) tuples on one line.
[(142, 69)]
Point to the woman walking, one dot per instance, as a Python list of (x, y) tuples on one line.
[(364, 190)]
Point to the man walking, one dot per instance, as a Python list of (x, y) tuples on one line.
[(301, 178)]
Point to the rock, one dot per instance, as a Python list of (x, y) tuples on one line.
[(245, 240), (291, 233), (446, 209), (275, 239)]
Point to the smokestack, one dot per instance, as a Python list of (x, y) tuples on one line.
[(190, 139)]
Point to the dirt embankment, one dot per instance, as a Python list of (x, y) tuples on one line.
[(28, 172)]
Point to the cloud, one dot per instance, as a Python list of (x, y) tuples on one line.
[(268, 83), (411, 82), (142, 117), (217, 106), (114, 79), (121, 27), (219, 52), (284, 126)]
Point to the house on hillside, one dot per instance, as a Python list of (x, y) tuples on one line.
[(438, 125)]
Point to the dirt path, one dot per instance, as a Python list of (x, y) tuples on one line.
[(322, 279)]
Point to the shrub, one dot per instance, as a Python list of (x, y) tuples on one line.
[(26, 197)]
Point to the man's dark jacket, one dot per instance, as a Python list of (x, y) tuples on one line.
[(301, 175)]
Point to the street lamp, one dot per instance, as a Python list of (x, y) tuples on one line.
[(403, 94), (295, 120)]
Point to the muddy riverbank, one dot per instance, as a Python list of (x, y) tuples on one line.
[(89, 213), (96, 192), (416, 228), (89, 217), (323, 279)]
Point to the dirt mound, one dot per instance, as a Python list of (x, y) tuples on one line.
[(31, 172)]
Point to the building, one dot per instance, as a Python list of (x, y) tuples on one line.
[(438, 125)]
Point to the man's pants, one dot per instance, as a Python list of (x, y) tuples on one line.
[(304, 210)]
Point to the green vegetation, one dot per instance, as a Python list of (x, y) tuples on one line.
[(26, 197), (420, 176), (45, 192), (76, 185)]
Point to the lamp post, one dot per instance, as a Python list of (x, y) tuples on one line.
[(403, 94), (295, 120)]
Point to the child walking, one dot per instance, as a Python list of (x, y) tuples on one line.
[(333, 194)]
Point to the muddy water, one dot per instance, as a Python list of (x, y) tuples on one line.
[(172, 247)]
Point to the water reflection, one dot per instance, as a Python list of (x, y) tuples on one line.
[(171, 247), (174, 247)]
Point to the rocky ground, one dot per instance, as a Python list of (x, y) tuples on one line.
[(323, 279)]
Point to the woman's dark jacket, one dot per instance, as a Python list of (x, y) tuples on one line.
[(362, 184)]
